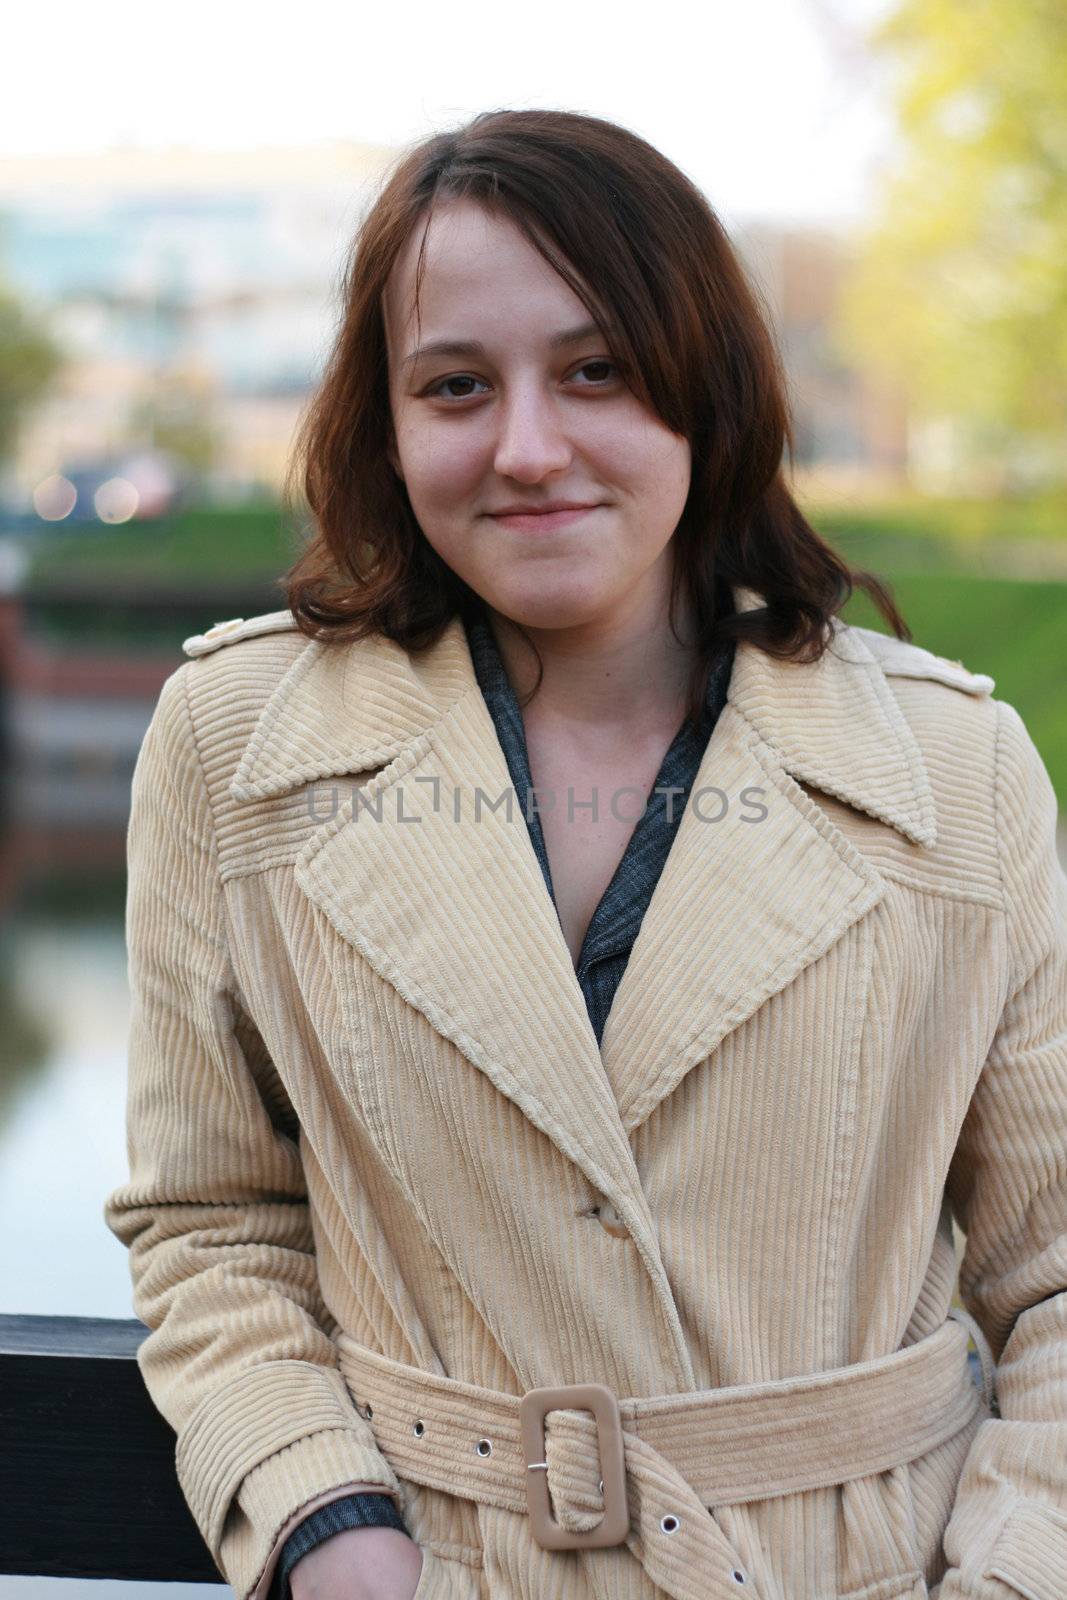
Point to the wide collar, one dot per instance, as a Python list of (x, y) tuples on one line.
[(445, 899), (834, 725)]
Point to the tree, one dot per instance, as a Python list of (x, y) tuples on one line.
[(959, 284), (174, 413), (29, 361)]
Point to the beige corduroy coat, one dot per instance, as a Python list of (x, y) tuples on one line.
[(367, 1109)]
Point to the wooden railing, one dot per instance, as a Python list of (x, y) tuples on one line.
[(87, 1481)]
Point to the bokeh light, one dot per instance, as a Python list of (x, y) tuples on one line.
[(116, 500), (54, 498)]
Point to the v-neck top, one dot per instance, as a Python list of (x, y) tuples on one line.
[(615, 923)]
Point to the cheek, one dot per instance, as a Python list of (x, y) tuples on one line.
[(442, 472), (668, 459), (649, 458)]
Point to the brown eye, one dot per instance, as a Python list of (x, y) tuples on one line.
[(601, 363), (459, 377)]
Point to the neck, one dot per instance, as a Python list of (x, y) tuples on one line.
[(616, 677)]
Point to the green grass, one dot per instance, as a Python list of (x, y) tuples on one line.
[(917, 517), (934, 556), (195, 544), (1016, 632)]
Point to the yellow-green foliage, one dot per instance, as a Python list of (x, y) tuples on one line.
[(958, 291)]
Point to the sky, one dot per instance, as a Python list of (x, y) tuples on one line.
[(777, 109)]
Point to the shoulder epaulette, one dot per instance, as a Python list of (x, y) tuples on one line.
[(201, 644), (899, 659)]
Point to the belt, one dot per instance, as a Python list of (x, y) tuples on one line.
[(665, 1454)]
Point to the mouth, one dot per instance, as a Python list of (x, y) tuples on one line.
[(542, 521)]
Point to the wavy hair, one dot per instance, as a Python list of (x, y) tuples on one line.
[(644, 251)]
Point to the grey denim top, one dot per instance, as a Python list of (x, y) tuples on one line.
[(614, 926)]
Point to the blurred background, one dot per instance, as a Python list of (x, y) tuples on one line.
[(177, 195)]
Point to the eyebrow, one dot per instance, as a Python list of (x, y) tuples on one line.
[(472, 347)]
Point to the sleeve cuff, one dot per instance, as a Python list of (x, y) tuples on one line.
[(298, 1479), (353, 1510)]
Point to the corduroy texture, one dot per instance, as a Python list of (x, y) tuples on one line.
[(319, 1519), (366, 1099), (606, 946)]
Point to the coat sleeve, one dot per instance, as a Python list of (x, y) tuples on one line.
[(1007, 1535), (215, 1215)]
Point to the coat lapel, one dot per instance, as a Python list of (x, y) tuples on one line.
[(767, 882), (450, 907)]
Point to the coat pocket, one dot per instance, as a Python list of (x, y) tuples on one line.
[(878, 1546), (442, 1579), (891, 1525), (445, 1527), (1030, 1552)]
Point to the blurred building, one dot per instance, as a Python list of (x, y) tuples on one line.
[(852, 431), (212, 275), (216, 276)]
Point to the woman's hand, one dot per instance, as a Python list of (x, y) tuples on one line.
[(359, 1564)]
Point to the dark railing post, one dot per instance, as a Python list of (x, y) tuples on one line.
[(87, 1480)]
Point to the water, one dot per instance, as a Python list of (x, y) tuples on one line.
[(65, 1007), (65, 984)]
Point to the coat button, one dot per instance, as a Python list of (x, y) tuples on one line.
[(610, 1220)]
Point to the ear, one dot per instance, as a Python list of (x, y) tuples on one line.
[(393, 457)]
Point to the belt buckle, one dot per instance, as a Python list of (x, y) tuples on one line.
[(615, 1523)]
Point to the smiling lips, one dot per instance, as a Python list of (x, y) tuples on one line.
[(543, 519)]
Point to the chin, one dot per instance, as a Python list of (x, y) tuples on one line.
[(554, 618), (556, 596)]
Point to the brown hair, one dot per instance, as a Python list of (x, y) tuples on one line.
[(642, 248)]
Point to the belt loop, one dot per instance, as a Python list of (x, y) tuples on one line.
[(985, 1356)]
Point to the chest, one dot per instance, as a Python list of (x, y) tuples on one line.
[(590, 804)]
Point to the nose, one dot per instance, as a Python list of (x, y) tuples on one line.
[(532, 441)]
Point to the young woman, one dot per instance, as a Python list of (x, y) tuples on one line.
[(578, 979)]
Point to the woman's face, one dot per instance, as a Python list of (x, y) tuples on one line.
[(526, 419)]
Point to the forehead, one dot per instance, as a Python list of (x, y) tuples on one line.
[(475, 263)]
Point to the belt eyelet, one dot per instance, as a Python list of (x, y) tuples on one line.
[(669, 1523), (484, 1447)]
